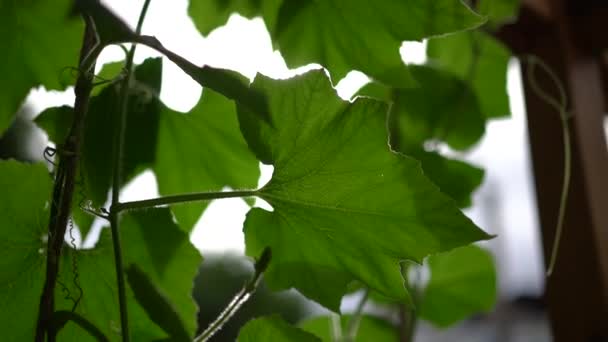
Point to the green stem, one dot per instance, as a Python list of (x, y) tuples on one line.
[(560, 107), (243, 295), (118, 151), (353, 323), (183, 198)]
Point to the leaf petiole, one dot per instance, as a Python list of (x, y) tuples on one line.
[(182, 198)]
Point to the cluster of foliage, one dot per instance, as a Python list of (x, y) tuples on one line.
[(359, 194)]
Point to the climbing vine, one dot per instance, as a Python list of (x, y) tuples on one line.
[(361, 195)]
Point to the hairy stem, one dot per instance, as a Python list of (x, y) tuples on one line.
[(183, 198), (63, 189), (243, 295), (118, 152)]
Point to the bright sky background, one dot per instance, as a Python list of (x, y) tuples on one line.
[(504, 204)]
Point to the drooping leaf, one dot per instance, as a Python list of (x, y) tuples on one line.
[(344, 36), (23, 219), (441, 108), (371, 329), (163, 251), (273, 328), (479, 60), (345, 206), (463, 282), (39, 44), (499, 11), (156, 304), (202, 151)]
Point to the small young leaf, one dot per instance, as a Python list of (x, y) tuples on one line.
[(273, 328), (156, 304), (463, 282), (345, 207), (371, 329)]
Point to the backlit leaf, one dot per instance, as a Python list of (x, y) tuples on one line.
[(343, 36), (345, 206)]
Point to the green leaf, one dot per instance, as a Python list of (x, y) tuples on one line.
[(481, 61), (39, 44), (463, 282), (358, 35), (273, 328), (499, 11), (157, 305), (442, 108), (345, 206), (202, 151), (455, 178), (23, 219), (60, 318), (153, 242), (177, 146), (371, 329)]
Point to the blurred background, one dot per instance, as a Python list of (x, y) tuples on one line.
[(504, 205)]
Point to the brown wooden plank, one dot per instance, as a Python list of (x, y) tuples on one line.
[(577, 293)]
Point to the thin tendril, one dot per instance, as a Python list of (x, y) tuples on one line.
[(560, 106)]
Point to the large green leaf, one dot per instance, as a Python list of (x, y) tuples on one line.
[(23, 219), (371, 329), (161, 250), (152, 241), (273, 328), (156, 304), (202, 151), (343, 36), (39, 43), (345, 206), (455, 178), (463, 282), (479, 60)]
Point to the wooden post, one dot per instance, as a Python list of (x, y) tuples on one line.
[(577, 292)]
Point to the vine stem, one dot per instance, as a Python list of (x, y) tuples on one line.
[(240, 299), (63, 189), (117, 153), (560, 107), (182, 198)]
